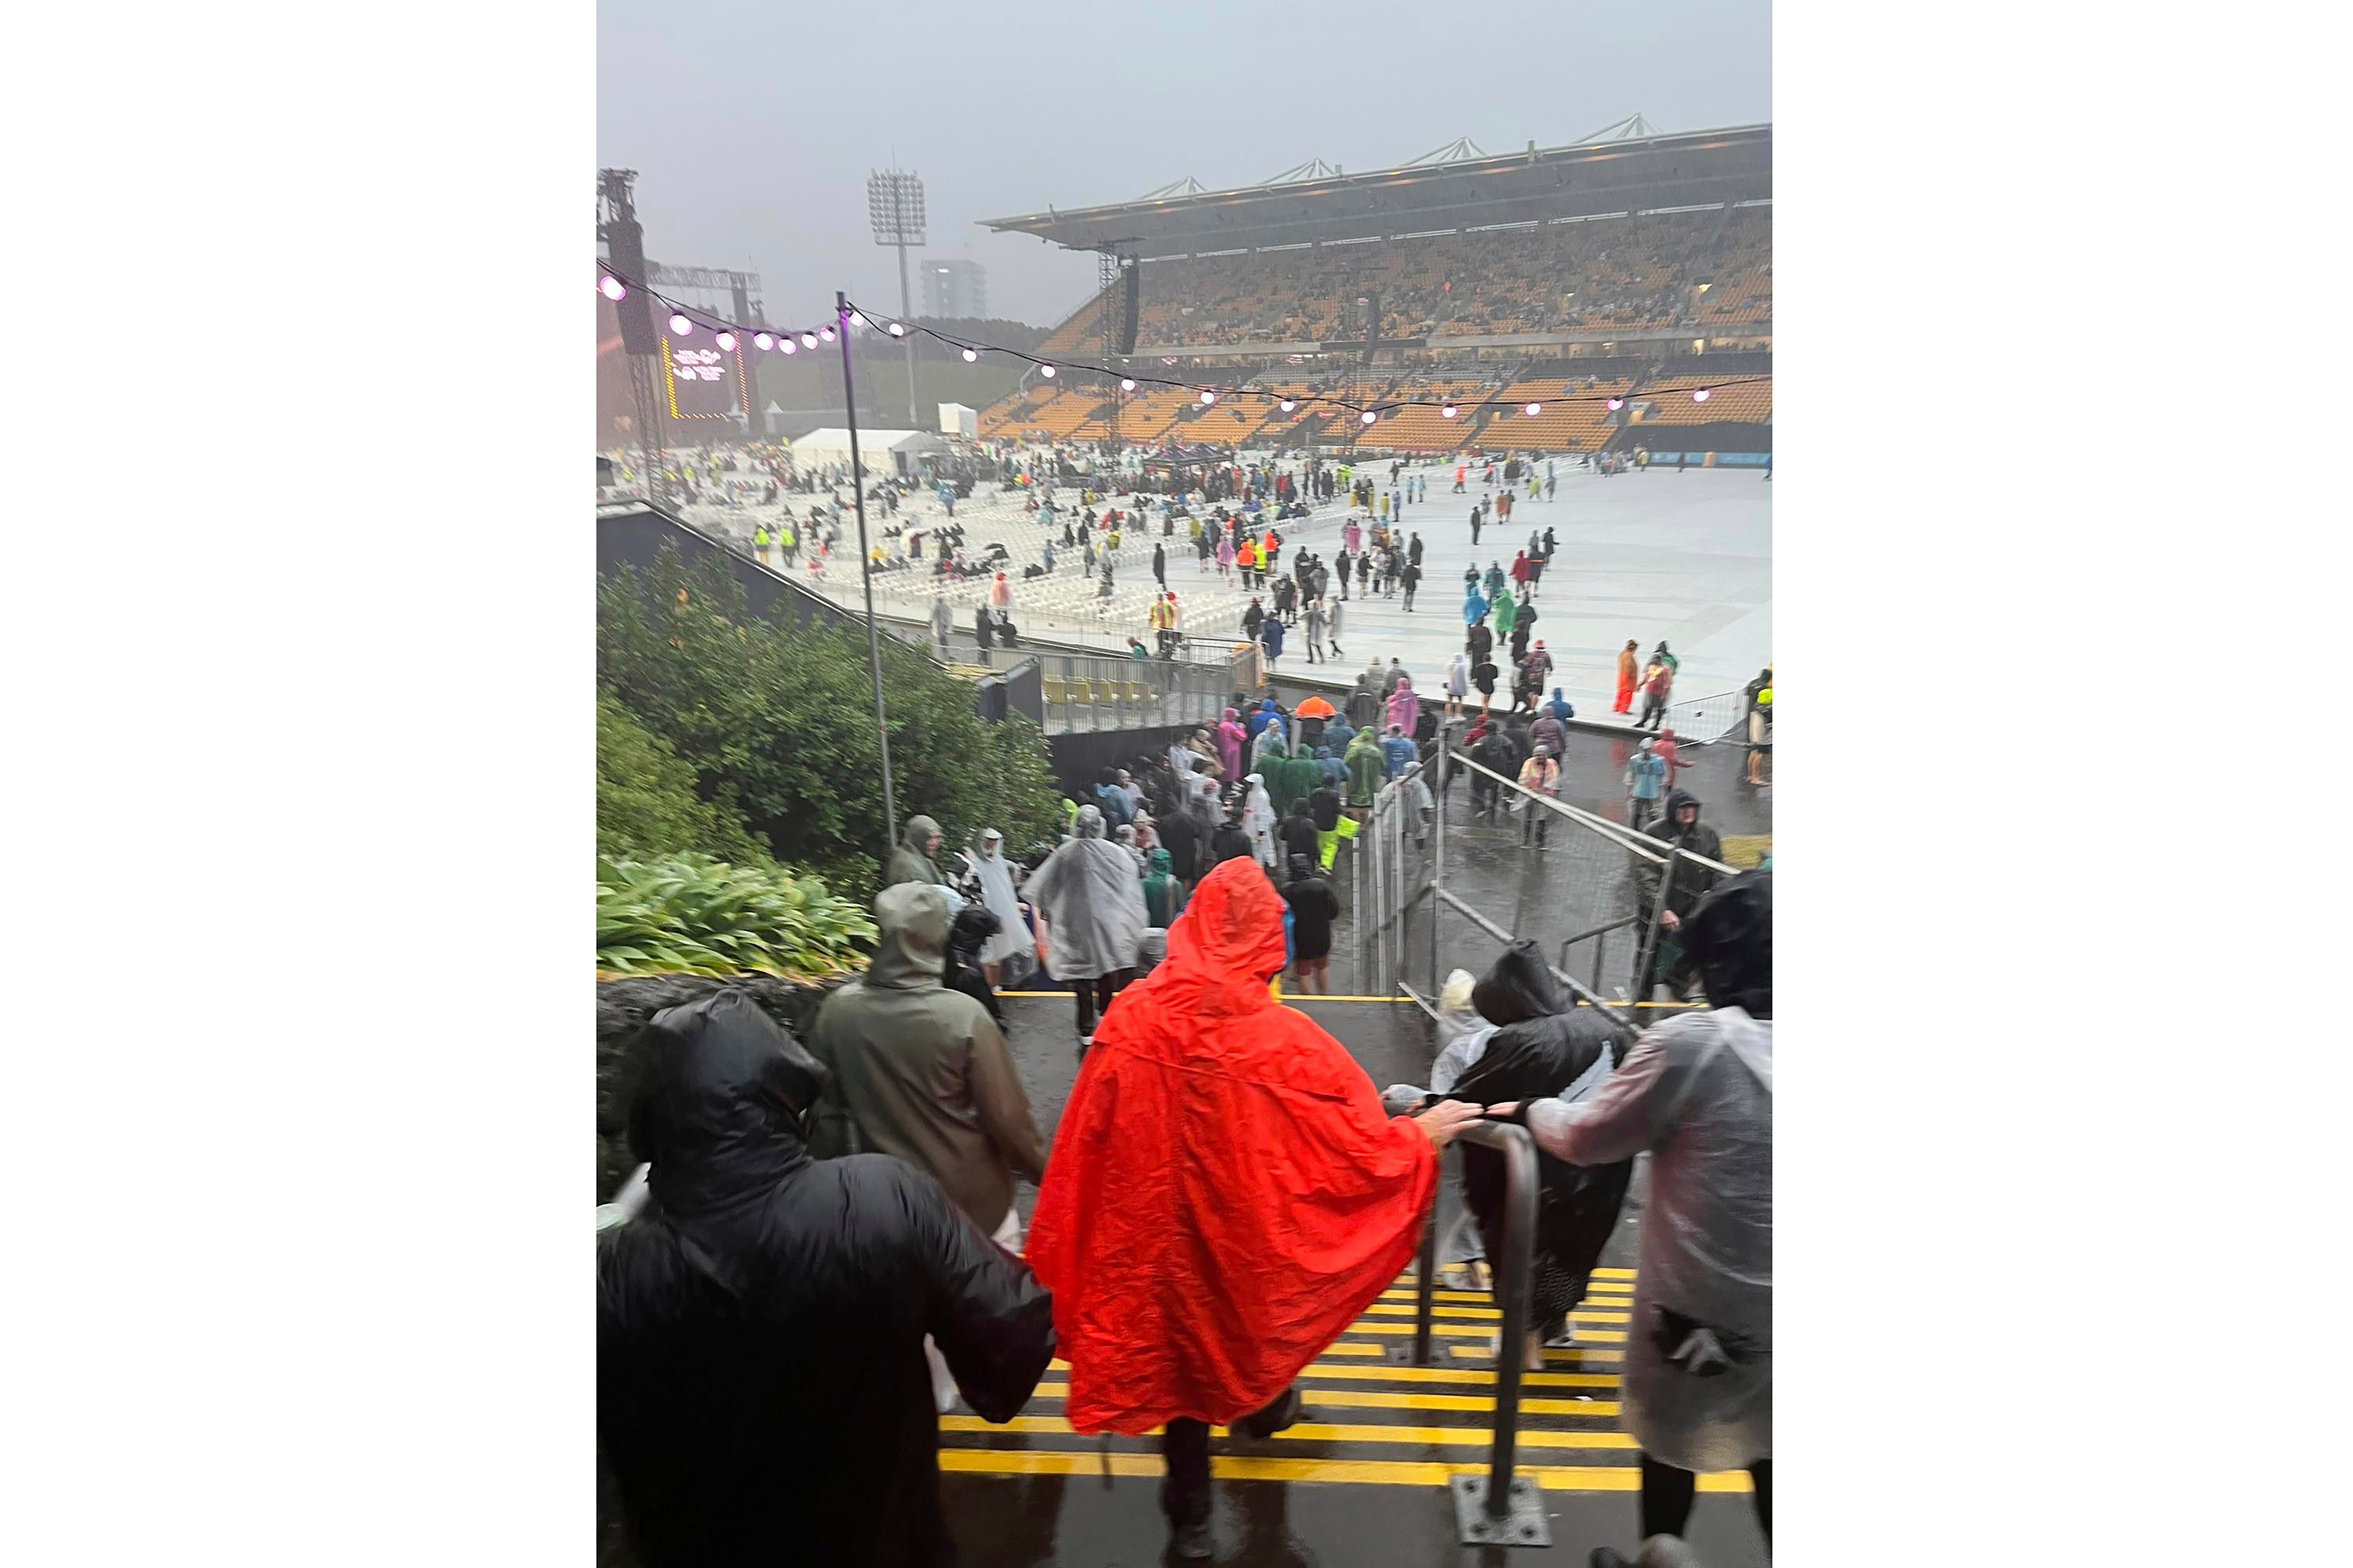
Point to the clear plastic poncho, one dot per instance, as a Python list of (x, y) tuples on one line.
[(1697, 1093)]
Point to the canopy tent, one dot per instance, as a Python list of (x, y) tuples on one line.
[(892, 453)]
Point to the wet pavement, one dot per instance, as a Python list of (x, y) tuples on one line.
[(1361, 1480)]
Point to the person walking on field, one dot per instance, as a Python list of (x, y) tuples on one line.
[(1628, 670), (1658, 681)]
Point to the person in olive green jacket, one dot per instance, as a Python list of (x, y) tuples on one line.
[(912, 860), (923, 1074), (921, 1071), (1365, 768)]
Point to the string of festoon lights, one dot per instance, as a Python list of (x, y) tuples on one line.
[(729, 336)]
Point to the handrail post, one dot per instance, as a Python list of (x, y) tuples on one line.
[(1425, 1285), (1504, 1508)]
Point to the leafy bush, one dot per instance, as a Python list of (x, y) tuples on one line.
[(645, 800), (778, 720), (690, 914)]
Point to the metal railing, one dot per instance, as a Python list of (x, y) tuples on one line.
[(1085, 692), (1500, 1507), (1640, 848), (1705, 720)]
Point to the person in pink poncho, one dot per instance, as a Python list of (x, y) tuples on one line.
[(1404, 708), (1231, 736)]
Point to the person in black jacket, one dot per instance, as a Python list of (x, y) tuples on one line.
[(1324, 809), (1228, 842), (761, 1389), (1313, 907), (1297, 832), (973, 926), (1545, 1046), (1678, 826), (1481, 642)]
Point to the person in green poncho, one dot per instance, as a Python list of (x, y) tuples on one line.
[(1306, 773), (1163, 895), (1366, 766), (1507, 610)]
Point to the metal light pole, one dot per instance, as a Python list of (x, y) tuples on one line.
[(866, 567), (894, 204)]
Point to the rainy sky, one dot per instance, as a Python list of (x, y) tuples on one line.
[(754, 125)]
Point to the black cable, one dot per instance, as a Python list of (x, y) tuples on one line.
[(716, 323)]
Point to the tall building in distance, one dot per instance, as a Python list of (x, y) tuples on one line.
[(956, 289)]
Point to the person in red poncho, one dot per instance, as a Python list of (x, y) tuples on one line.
[(1224, 1197)]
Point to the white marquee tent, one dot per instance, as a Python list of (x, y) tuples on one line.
[(886, 452)]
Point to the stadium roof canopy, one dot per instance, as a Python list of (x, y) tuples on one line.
[(1700, 169)]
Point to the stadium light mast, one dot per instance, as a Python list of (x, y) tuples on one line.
[(895, 204)]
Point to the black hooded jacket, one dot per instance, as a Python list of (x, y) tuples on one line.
[(761, 1389), (1545, 1044), (1692, 883), (973, 926)]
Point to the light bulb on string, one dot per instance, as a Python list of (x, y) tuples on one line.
[(1288, 405), (788, 345), (1615, 403), (1369, 417), (1701, 395), (809, 340), (1535, 409), (679, 325), (827, 332), (1127, 384), (898, 331), (726, 342), (1207, 397), (762, 342), (1448, 412), (970, 355), (612, 290), (1047, 371), (856, 319)]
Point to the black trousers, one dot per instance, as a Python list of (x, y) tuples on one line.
[(1094, 996), (1185, 1446), (1667, 1496)]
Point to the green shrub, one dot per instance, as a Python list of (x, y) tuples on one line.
[(690, 914), (778, 720), (645, 800)]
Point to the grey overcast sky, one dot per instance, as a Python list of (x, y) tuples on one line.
[(752, 133)]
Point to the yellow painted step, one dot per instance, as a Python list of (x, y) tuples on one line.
[(1323, 1432), (1346, 1472)]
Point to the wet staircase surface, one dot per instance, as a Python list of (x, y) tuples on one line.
[(1362, 1477)]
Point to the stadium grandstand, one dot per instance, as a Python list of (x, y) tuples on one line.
[(1639, 267)]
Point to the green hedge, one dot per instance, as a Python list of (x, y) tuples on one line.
[(690, 914)]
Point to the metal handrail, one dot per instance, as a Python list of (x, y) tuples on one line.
[(1502, 1508), (1632, 839)]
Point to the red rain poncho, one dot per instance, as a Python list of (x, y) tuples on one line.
[(1225, 1195)]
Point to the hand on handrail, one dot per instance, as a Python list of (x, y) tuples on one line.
[(1442, 1121)]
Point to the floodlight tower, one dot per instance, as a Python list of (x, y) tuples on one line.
[(894, 202)]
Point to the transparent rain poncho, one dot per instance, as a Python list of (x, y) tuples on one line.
[(1698, 1093)]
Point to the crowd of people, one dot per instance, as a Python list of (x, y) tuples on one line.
[(851, 1182), (856, 1191)]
